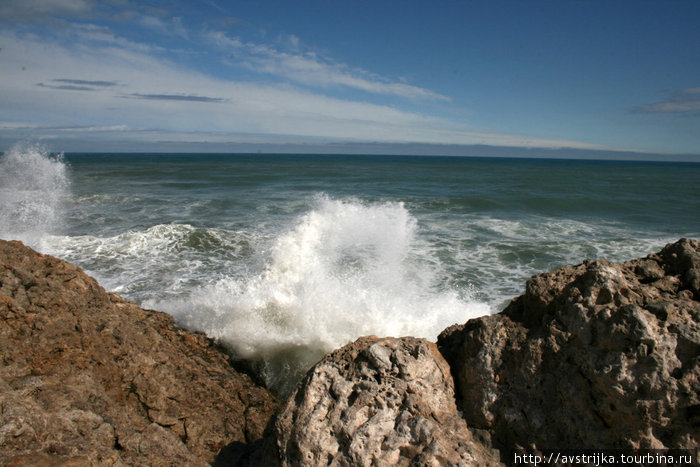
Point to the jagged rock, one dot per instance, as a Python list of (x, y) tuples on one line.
[(376, 402), (598, 355), (87, 378)]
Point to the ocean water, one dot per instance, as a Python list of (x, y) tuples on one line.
[(285, 257)]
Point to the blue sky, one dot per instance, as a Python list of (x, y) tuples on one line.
[(96, 75)]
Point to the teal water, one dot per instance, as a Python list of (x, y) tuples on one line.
[(284, 258)]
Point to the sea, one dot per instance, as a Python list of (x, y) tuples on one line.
[(283, 258)]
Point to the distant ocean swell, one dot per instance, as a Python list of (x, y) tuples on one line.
[(283, 293)]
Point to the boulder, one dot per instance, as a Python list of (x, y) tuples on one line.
[(376, 401), (593, 356), (88, 378), (598, 355)]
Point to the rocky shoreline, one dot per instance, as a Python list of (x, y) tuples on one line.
[(596, 356)]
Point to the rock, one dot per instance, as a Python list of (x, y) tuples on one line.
[(598, 355), (87, 378), (376, 402)]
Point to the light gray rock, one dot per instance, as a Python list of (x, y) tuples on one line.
[(377, 402)]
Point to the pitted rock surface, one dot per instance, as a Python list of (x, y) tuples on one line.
[(598, 355), (378, 402)]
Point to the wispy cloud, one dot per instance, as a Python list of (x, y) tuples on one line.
[(32, 10), (311, 68), (175, 97), (685, 101), (84, 82), (140, 93), (65, 87), (48, 129), (93, 35), (84, 128), (172, 26), (150, 81), (77, 84)]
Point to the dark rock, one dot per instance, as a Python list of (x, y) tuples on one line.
[(598, 355), (87, 378)]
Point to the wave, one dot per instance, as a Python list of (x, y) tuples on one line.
[(162, 261), (345, 269), (497, 256), (34, 186)]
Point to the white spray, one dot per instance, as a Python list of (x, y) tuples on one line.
[(345, 270), (33, 186)]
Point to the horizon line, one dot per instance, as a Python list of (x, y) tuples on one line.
[(354, 149)]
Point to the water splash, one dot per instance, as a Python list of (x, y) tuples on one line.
[(346, 269), (33, 188)]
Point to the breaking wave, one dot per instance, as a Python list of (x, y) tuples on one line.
[(345, 269)]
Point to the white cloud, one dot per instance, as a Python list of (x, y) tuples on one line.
[(172, 27), (91, 35), (173, 103), (311, 69), (293, 41), (26, 63), (27, 10), (679, 102)]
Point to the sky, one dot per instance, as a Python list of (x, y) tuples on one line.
[(215, 75)]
